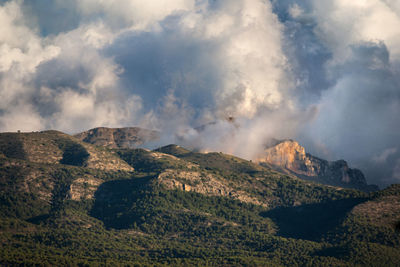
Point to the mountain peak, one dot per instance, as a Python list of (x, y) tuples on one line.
[(128, 137), (289, 155)]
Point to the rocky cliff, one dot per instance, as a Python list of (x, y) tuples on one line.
[(129, 137), (289, 155)]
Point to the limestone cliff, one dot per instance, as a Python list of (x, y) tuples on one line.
[(289, 155)]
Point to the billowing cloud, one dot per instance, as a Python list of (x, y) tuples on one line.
[(341, 24), (21, 52), (214, 75), (221, 60), (62, 81)]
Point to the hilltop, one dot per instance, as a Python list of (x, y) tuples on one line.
[(128, 137)]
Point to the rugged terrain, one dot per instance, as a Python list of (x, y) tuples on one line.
[(67, 202), (286, 156), (290, 156)]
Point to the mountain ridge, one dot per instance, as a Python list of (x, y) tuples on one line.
[(173, 206), (127, 137), (283, 155)]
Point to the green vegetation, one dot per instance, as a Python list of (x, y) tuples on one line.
[(217, 162), (11, 146), (69, 214), (147, 161)]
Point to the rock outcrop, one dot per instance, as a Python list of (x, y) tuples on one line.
[(289, 155), (206, 184), (129, 137)]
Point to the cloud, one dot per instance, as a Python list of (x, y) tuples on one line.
[(21, 52), (62, 82), (139, 15), (228, 56), (396, 170), (344, 23), (357, 117), (382, 158), (220, 59)]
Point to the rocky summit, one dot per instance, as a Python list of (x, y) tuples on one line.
[(290, 156), (128, 137)]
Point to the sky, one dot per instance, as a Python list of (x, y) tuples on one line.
[(217, 75)]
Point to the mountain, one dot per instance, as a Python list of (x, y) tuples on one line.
[(287, 156), (67, 202), (290, 156), (53, 147), (129, 137)]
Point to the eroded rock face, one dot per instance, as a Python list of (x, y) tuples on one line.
[(129, 137), (83, 188), (204, 183), (290, 155)]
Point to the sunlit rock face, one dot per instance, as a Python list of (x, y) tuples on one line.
[(290, 155)]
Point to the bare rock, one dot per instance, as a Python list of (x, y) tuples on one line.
[(289, 155)]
